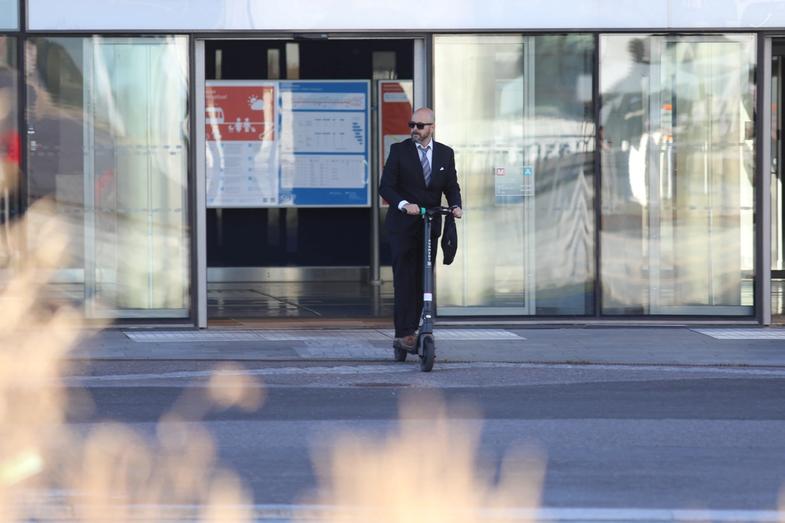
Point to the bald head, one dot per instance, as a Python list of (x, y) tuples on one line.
[(423, 114)]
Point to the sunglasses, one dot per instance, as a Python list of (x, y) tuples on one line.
[(419, 125)]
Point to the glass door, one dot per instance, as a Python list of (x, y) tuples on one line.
[(9, 157), (108, 144), (678, 164), (136, 127), (517, 110), (487, 124), (701, 222)]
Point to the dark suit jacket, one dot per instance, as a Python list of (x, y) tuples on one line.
[(402, 179)]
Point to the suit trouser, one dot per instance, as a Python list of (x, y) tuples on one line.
[(407, 261)]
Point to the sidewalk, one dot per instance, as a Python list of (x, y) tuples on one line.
[(587, 345)]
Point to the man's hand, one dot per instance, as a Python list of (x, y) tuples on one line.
[(411, 208), (457, 212)]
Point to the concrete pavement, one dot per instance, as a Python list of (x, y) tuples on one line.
[(679, 346)]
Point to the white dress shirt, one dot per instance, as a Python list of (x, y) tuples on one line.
[(429, 156)]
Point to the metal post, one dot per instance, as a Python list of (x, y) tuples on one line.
[(598, 144), (26, 130), (90, 47), (763, 183), (375, 276), (201, 188), (420, 94)]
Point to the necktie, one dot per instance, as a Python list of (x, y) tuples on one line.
[(426, 166)]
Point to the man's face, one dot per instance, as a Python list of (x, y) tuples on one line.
[(424, 134)]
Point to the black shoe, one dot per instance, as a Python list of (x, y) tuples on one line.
[(407, 343)]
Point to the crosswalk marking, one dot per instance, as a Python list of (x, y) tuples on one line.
[(743, 334), (338, 336)]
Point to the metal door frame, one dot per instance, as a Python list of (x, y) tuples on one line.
[(421, 97), (763, 192)]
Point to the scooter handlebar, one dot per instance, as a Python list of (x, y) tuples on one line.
[(435, 210)]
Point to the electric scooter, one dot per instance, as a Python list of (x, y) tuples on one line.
[(426, 344)]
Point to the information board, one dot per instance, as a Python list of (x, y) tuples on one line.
[(241, 163), (324, 145), (308, 147)]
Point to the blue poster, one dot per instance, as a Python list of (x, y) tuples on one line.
[(324, 143)]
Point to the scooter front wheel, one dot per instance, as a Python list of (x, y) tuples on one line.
[(428, 354)]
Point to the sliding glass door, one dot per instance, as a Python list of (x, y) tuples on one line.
[(677, 186), (518, 112), (108, 143)]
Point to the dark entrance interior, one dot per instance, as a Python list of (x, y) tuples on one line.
[(273, 263)]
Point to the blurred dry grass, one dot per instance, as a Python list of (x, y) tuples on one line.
[(51, 471), (782, 505), (426, 471), (111, 473)]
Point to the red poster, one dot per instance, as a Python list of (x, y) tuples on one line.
[(243, 113), (396, 109)]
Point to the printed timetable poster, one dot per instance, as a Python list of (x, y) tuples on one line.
[(287, 143), (242, 148), (324, 143)]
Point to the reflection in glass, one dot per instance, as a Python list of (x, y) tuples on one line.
[(677, 174), (9, 14), (521, 126), (9, 151), (108, 140)]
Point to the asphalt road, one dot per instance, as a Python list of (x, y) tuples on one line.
[(618, 437)]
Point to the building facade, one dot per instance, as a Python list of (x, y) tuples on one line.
[(618, 160)]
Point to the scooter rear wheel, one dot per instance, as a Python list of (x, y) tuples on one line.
[(428, 354)]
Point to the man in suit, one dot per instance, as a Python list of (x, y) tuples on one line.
[(418, 171)]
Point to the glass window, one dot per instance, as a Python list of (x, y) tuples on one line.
[(9, 152), (108, 141), (677, 174), (522, 129), (9, 14), (331, 15)]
